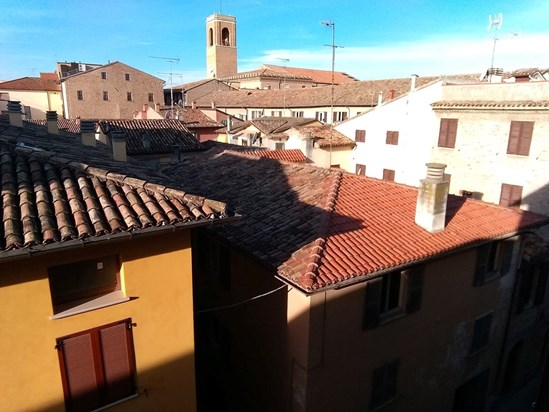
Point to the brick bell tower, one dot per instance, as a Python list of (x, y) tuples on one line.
[(220, 46)]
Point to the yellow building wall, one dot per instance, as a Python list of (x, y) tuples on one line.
[(156, 273), (39, 101)]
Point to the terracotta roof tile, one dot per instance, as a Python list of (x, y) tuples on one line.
[(47, 199), (324, 227), (165, 135), (44, 83), (522, 105), (287, 155), (325, 136)]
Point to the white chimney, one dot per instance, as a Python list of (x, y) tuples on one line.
[(379, 98), (51, 118), (432, 198), (87, 129), (118, 140), (14, 113)]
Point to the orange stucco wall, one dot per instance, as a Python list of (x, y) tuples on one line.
[(156, 272)]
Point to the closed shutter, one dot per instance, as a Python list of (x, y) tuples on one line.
[(360, 169), (520, 138), (117, 362), (511, 195), (415, 288), (81, 380), (372, 304), (447, 133), (389, 175), (507, 255), (360, 136)]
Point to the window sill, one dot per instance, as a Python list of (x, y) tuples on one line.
[(391, 316), (109, 299), (110, 405)]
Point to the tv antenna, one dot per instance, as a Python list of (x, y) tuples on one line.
[(494, 22), (171, 60)]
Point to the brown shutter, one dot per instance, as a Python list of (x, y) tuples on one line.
[(117, 362), (389, 175), (511, 195), (514, 136), (415, 288), (527, 129), (372, 303), (452, 132), (360, 169), (81, 382)]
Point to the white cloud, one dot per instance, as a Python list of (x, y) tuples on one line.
[(425, 58)]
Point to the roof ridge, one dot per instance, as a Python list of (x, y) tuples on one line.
[(309, 279)]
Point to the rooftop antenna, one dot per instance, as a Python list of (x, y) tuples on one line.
[(494, 22), (171, 60), (284, 82)]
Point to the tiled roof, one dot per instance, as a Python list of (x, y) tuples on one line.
[(31, 83), (492, 105), (69, 125), (191, 118), (286, 155), (264, 73), (323, 228), (318, 76), (56, 192), (360, 93), (165, 135), (272, 125), (326, 136)]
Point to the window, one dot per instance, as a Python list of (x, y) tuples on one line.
[(532, 284), (104, 75), (98, 366), (105, 95), (360, 136), (481, 333), (276, 113), (214, 259), (360, 169), (279, 146), (389, 175), (128, 77), (493, 260), (129, 96), (80, 95), (384, 384), (225, 36), (321, 116), (470, 397), (392, 137), (210, 37), (85, 285), (339, 116), (447, 133), (511, 195), (392, 295), (520, 137), (297, 114), (151, 97)]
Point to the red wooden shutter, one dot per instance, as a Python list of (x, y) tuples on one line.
[(447, 133), (389, 175), (81, 381), (511, 195), (117, 363)]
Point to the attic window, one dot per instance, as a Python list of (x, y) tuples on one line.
[(104, 75), (128, 77)]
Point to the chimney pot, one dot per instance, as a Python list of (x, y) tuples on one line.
[(14, 113), (193, 104), (118, 141), (51, 117), (432, 198), (413, 82), (87, 129), (379, 98), (391, 94)]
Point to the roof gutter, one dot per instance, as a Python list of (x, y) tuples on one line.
[(39, 250)]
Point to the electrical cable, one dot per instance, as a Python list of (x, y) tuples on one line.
[(241, 302)]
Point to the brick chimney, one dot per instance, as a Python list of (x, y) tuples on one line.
[(51, 118), (14, 113), (390, 94), (144, 111), (87, 129), (432, 198), (118, 141)]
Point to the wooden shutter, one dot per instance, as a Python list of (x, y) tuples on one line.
[(542, 283), (415, 288), (482, 263), (447, 133), (506, 248), (389, 175), (360, 169), (372, 303), (117, 362), (511, 195), (392, 137), (79, 373), (520, 138), (360, 136)]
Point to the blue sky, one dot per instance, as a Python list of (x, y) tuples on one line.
[(380, 38)]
